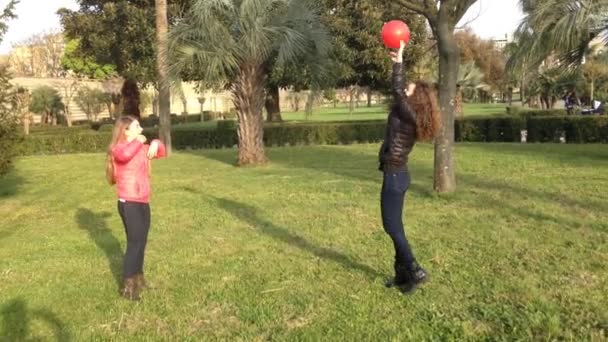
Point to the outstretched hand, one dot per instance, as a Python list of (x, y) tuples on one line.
[(397, 56)]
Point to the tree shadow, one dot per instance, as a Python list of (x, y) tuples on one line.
[(9, 184), (563, 153), (17, 318), (95, 224), (249, 214), (546, 196), (336, 160), (362, 166), (6, 234)]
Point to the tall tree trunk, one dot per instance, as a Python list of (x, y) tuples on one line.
[(592, 90), (522, 90), (26, 124), (351, 103), (458, 107), (248, 97), (445, 175), (164, 96), (369, 97), (272, 104), (201, 101), (110, 112), (116, 102), (184, 104), (68, 115)]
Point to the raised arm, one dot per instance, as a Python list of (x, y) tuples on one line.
[(123, 153), (398, 84)]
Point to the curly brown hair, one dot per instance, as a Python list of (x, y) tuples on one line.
[(428, 115)]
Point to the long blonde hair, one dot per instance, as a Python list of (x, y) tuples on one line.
[(118, 135)]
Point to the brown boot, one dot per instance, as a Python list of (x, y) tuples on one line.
[(130, 289), (141, 281)]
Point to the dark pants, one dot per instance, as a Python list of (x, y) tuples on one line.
[(136, 219), (394, 187)]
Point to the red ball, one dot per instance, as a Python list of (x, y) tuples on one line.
[(395, 31)]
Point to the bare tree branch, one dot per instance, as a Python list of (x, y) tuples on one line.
[(461, 8), (431, 8), (415, 6), (473, 19)]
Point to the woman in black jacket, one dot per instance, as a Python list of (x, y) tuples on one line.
[(414, 115)]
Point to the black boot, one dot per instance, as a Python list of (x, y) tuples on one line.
[(417, 273), (403, 279)]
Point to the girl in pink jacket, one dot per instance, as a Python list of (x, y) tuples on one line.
[(128, 166)]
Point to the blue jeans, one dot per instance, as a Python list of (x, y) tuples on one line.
[(392, 199), (136, 219)]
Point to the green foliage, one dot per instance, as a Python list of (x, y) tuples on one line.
[(67, 142), (557, 28), (46, 101), (541, 112), (490, 129), (6, 16), (9, 136), (268, 34), (84, 66), (92, 101), (118, 33), (359, 51)]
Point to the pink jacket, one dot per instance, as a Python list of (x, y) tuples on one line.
[(131, 170)]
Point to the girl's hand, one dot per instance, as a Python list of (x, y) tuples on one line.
[(153, 149), (397, 57)]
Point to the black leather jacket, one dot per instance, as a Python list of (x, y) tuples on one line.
[(400, 128)]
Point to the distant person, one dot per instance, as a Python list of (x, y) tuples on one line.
[(571, 101)]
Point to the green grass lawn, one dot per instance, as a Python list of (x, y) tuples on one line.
[(295, 250), (377, 112)]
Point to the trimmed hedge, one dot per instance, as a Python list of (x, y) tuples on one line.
[(575, 129), (65, 143), (153, 120), (500, 129), (10, 140), (528, 113)]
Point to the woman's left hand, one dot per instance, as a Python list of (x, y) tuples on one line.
[(397, 56), (153, 150)]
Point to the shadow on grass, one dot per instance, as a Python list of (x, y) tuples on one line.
[(9, 184), (97, 228), (562, 153), (336, 160), (362, 166), (17, 319), (250, 215)]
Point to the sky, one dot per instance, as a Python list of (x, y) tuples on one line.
[(493, 19)]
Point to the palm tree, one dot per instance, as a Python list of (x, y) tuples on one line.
[(561, 28), (235, 41), (164, 92)]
